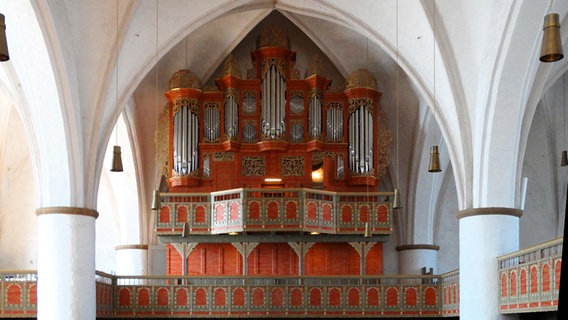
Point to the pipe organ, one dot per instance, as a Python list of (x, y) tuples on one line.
[(273, 153), (272, 123)]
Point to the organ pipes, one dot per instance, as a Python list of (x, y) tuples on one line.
[(334, 126), (361, 155), (231, 116), (273, 104), (314, 117), (186, 135), (211, 124)]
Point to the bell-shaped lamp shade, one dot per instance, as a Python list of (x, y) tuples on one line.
[(4, 56), (396, 200), (551, 49), (367, 230), (156, 200), (564, 160), (185, 230), (434, 160), (116, 160)]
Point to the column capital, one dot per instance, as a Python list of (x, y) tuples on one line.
[(68, 210), (490, 211)]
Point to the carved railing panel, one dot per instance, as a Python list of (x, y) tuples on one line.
[(530, 278), (295, 209)]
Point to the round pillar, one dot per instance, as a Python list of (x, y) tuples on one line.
[(417, 258), (66, 263), (132, 259), (485, 234)]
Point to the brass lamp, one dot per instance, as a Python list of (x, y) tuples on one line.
[(4, 56), (434, 160), (156, 200), (551, 49), (367, 230), (116, 160), (396, 200)]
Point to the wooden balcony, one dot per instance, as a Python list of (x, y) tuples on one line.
[(275, 210), (530, 278)]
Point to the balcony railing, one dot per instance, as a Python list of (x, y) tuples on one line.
[(530, 278), (251, 210)]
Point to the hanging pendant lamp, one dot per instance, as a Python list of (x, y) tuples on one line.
[(434, 160), (116, 160), (156, 200), (564, 161), (367, 230), (396, 200), (4, 56), (551, 49)]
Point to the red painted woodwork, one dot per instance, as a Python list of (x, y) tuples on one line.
[(163, 297), (199, 215), (296, 297), (164, 215), (258, 297), (291, 210), (557, 268), (334, 297), (523, 281), (277, 297), (14, 294), (382, 214), (182, 214), (315, 297), (504, 285), (273, 259), (513, 283), (332, 259), (545, 278), (173, 261), (392, 297), (124, 297), (373, 297), (181, 297), (220, 298), (143, 297), (534, 279), (430, 297), (214, 259), (353, 297), (239, 297), (410, 297), (374, 260), (200, 297)]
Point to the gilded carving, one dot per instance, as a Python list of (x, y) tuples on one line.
[(361, 79), (223, 156), (292, 166), (315, 66), (253, 166), (272, 36), (232, 67), (279, 63), (384, 143), (184, 79), (161, 139), (185, 102), (365, 102)]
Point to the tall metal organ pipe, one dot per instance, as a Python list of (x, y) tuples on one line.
[(273, 103), (186, 135), (361, 156)]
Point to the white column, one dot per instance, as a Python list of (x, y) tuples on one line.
[(66, 263), (413, 257), (485, 234), (132, 259)]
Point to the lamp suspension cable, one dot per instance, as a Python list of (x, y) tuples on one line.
[(564, 157), (434, 165), (116, 154), (156, 199), (396, 197)]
